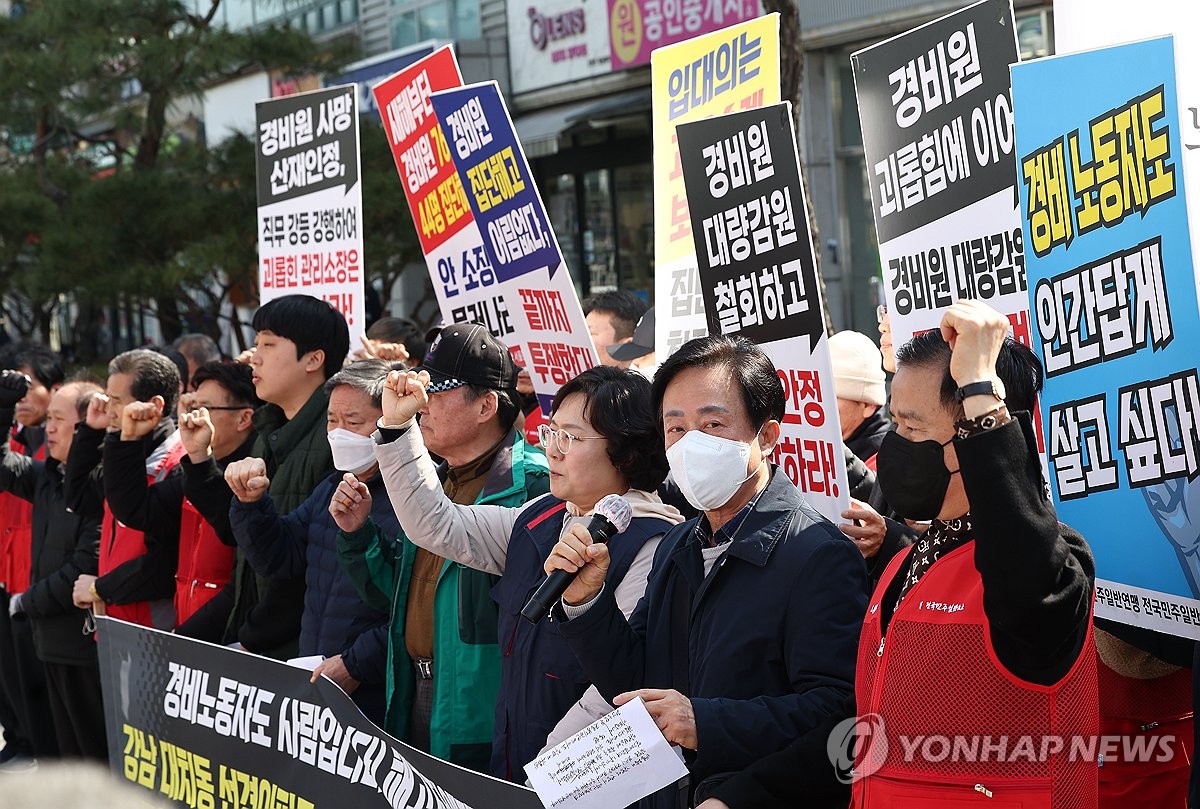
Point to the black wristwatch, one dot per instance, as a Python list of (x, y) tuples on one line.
[(988, 387)]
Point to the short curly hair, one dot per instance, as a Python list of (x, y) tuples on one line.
[(618, 408)]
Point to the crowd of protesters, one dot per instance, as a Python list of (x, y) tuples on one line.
[(386, 510)]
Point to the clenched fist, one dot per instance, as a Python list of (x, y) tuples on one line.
[(138, 419), (196, 433), (404, 396), (248, 479), (13, 387), (350, 505)]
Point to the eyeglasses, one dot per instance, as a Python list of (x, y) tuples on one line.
[(562, 439)]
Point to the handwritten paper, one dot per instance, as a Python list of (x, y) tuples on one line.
[(615, 761), (307, 663)]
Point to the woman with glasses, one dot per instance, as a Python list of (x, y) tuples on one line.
[(602, 439)]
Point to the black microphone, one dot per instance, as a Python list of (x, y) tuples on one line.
[(611, 517)]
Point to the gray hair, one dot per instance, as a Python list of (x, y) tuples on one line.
[(367, 376), (153, 375), (197, 347), (507, 408)]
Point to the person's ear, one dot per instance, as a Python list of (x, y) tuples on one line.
[(314, 361), (488, 407), (245, 420), (768, 437)]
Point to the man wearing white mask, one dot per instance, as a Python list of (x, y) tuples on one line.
[(335, 622), (747, 634)]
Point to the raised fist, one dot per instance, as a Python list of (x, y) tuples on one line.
[(138, 419), (404, 396), (248, 479), (196, 433), (98, 412), (13, 387)]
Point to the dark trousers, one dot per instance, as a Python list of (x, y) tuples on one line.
[(24, 696), (77, 706), (15, 740)]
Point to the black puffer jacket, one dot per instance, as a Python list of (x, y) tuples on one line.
[(65, 545)]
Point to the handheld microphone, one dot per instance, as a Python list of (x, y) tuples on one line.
[(611, 517)]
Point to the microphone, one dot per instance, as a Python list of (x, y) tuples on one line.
[(611, 517)]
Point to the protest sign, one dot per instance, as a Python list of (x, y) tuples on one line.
[(1113, 299), (549, 335), (736, 68), (462, 276), (310, 237), (938, 141), (491, 254), (759, 279), (205, 726)]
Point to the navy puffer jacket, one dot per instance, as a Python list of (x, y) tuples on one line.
[(335, 620)]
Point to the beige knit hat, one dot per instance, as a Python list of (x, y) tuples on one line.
[(857, 368)]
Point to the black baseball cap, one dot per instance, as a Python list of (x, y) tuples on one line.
[(643, 340), (468, 354)]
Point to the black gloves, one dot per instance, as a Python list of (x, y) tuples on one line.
[(13, 387)]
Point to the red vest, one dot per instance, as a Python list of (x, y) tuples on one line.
[(936, 676), (16, 533), (119, 544), (205, 563), (1158, 712)]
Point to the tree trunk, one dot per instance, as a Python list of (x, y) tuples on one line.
[(169, 321), (791, 80)]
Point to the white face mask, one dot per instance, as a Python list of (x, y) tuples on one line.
[(352, 452), (709, 469)]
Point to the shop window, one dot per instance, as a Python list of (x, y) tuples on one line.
[(1035, 34), (434, 19)]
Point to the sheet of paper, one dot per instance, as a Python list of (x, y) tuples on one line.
[(307, 663), (615, 761)]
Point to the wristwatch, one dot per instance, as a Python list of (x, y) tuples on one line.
[(987, 387)]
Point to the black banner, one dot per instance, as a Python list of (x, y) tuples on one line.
[(208, 727), (753, 247), (936, 116), (306, 143)]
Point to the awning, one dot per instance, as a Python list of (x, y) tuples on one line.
[(539, 131)]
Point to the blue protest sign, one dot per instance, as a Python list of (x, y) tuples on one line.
[(500, 189), (1113, 300)]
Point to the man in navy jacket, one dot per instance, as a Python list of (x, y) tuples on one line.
[(335, 622), (747, 634)]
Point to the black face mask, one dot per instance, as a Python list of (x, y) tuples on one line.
[(913, 476)]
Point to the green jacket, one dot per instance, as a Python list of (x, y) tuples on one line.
[(466, 668)]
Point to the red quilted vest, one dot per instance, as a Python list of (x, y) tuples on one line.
[(16, 533), (119, 543), (205, 563)]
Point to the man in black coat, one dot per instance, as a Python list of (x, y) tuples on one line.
[(747, 633), (65, 546)]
